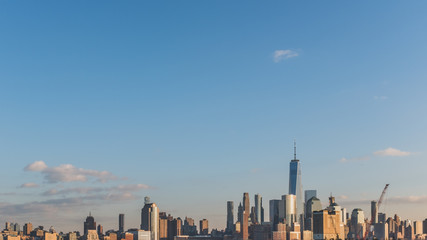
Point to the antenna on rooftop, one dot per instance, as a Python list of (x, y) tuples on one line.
[(295, 150)]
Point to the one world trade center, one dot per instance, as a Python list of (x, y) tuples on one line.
[(295, 185)]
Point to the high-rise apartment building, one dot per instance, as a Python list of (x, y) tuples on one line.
[(163, 226), (425, 226), (244, 231), (418, 227), (189, 228), (121, 222), (28, 227), (252, 216), (176, 228), (246, 206), (357, 226), (230, 217), (274, 213), (204, 227), (240, 213), (258, 209), (374, 212), (295, 184), (344, 215), (150, 219), (100, 230)]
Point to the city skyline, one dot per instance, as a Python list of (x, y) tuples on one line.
[(194, 103), (344, 202)]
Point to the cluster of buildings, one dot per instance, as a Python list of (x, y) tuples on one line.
[(291, 217)]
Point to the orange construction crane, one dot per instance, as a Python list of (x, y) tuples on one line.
[(375, 213)]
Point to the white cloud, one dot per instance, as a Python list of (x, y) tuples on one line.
[(393, 152), (279, 55), (29, 185), (36, 166), (68, 173), (408, 199)]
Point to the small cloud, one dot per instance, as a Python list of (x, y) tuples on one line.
[(279, 55), (68, 173), (29, 185), (408, 199), (380, 98), (255, 170), (393, 152), (36, 166)]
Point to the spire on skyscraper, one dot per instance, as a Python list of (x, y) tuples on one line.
[(295, 150)]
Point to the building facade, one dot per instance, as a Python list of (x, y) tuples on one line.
[(150, 219)]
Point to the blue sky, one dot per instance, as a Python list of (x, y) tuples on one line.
[(195, 102)]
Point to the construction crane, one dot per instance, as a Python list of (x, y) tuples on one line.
[(375, 211)]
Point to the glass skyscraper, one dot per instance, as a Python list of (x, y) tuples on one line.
[(295, 185)]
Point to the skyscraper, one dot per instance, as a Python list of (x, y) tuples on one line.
[(357, 226), (163, 226), (309, 194), (327, 223), (176, 227), (374, 211), (258, 207), (312, 205), (295, 184), (287, 209), (246, 206), (230, 217), (418, 227), (100, 230), (28, 227), (204, 227), (150, 218), (89, 224), (245, 224), (425, 226), (121, 222), (274, 213), (189, 228), (240, 213)]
